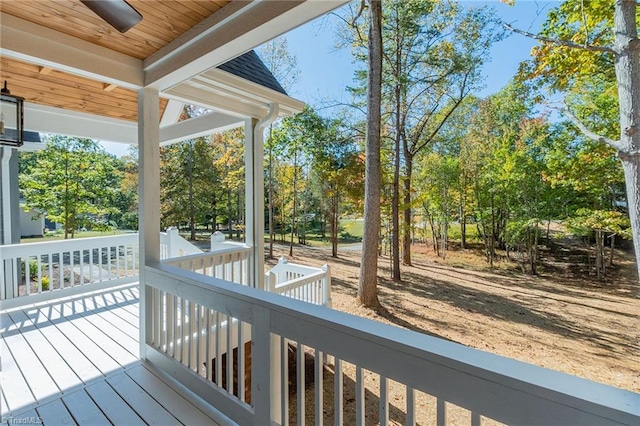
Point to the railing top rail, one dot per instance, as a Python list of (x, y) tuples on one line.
[(294, 267), (34, 249), (204, 255), (301, 280), (502, 388)]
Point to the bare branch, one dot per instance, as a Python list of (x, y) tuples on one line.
[(588, 133), (604, 49), (359, 13), (584, 22)]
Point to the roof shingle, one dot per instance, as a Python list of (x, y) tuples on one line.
[(250, 67)]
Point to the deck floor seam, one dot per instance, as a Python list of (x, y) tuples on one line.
[(65, 333)]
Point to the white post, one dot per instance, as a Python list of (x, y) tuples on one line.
[(270, 281), (254, 194), (217, 239), (6, 194), (8, 276), (149, 204), (254, 235), (172, 246), (326, 284)]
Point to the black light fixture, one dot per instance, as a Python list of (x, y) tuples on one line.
[(118, 13), (11, 118)]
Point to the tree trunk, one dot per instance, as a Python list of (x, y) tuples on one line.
[(214, 214), (368, 282), (192, 226), (395, 213), (295, 202), (303, 235), (406, 239), (230, 211), (627, 67), (612, 248), (492, 238), (334, 225), (239, 220), (463, 212), (631, 167), (463, 228), (270, 192), (599, 272)]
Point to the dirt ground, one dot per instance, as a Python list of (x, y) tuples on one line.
[(562, 319)]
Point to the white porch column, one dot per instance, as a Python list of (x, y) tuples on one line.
[(149, 200), (9, 214), (254, 194), (254, 236), (253, 230)]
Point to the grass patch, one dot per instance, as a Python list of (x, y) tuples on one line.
[(58, 235)]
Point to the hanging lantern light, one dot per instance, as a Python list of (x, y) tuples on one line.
[(11, 118)]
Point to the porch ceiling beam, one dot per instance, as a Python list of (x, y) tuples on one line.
[(225, 36), (171, 113), (203, 125), (29, 42), (220, 90), (234, 86), (45, 119), (39, 118), (196, 96)]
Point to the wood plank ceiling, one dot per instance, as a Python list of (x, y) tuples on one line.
[(162, 22)]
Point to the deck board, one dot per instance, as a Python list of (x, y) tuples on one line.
[(77, 363), (123, 346), (61, 373), (169, 398), (84, 410), (55, 413), (147, 407), (105, 363), (14, 384), (83, 368), (111, 404)]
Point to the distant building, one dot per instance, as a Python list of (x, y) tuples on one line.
[(10, 215), (31, 222)]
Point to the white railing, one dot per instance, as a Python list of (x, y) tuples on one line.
[(300, 282), (36, 272), (227, 261), (440, 379), (173, 245), (230, 261)]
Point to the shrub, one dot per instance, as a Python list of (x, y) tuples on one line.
[(45, 283), (33, 268)]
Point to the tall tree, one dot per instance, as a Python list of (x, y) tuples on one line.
[(126, 198), (283, 65), (337, 170), (368, 281), (579, 32), (186, 176), (73, 180), (228, 151), (433, 51)]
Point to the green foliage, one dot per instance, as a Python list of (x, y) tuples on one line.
[(587, 221), (318, 166), (202, 181), (73, 180), (33, 268), (583, 23)]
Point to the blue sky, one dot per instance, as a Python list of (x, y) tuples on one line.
[(325, 72)]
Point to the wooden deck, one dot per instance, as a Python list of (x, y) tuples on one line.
[(75, 361)]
